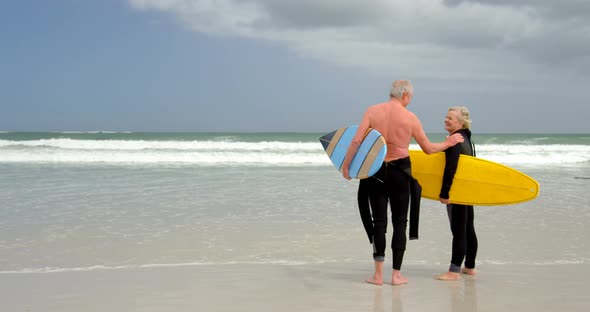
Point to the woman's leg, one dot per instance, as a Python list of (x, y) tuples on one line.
[(459, 230), (471, 240)]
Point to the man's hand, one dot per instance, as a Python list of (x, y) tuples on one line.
[(455, 138), (345, 173)]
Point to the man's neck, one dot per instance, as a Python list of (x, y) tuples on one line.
[(396, 101)]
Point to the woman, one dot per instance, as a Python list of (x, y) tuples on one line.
[(460, 216)]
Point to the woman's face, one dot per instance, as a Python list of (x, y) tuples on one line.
[(452, 122)]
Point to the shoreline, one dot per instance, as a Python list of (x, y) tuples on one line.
[(324, 287)]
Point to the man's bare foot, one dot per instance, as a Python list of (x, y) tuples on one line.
[(448, 276), (397, 279), (375, 281), (469, 271), (377, 278)]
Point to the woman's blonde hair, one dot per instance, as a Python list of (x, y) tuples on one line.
[(463, 115)]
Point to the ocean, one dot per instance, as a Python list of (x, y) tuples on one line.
[(119, 201)]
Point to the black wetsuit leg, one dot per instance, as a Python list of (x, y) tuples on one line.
[(398, 191), (464, 237), (365, 207), (390, 185), (378, 203), (471, 251)]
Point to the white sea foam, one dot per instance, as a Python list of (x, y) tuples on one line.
[(146, 266), (46, 270), (163, 145), (267, 153), (535, 154)]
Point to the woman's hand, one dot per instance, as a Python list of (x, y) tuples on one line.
[(444, 201)]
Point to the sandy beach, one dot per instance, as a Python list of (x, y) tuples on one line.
[(220, 235), (326, 287), (179, 156)]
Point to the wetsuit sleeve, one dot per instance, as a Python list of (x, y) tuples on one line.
[(365, 208), (452, 155)]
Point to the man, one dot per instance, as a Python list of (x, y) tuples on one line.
[(391, 183)]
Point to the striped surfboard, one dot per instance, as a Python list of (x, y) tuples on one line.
[(367, 160)]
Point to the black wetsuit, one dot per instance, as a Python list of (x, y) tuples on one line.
[(389, 185), (460, 216)]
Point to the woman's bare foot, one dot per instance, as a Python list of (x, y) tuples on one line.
[(468, 271), (448, 276), (375, 280), (397, 278)]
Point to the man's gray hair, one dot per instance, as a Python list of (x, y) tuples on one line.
[(399, 87)]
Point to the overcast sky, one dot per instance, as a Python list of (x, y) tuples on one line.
[(291, 66)]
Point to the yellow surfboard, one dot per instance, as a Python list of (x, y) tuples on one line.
[(477, 182)]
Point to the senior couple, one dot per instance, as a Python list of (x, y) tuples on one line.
[(392, 184)]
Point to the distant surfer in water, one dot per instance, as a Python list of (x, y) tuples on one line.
[(391, 184), (461, 217)]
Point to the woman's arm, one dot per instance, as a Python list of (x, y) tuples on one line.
[(452, 155)]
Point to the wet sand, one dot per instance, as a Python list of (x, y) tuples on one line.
[(319, 287)]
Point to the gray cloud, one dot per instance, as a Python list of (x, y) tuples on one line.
[(560, 9), (306, 14), (486, 39)]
